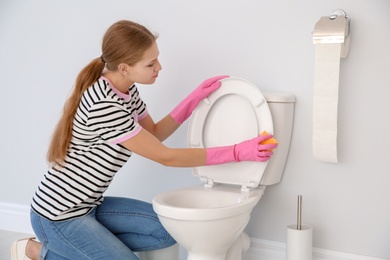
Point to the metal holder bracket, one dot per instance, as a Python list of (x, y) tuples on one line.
[(334, 28)]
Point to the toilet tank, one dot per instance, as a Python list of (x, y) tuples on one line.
[(282, 110)]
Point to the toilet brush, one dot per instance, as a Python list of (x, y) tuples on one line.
[(299, 217), (299, 238)]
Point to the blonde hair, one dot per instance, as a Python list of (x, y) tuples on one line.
[(124, 42)]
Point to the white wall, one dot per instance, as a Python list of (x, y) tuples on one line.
[(44, 44)]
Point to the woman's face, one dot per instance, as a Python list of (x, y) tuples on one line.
[(146, 70)]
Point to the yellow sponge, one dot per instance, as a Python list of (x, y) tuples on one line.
[(268, 141)]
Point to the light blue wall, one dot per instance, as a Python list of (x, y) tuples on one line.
[(44, 44)]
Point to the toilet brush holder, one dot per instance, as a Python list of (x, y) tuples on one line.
[(299, 242), (299, 238)]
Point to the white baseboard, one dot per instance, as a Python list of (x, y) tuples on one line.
[(16, 218), (271, 250)]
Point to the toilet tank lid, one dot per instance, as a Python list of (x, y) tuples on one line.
[(279, 97)]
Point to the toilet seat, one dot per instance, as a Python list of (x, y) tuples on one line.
[(235, 112)]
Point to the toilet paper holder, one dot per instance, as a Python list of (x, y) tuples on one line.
[(334, 28)]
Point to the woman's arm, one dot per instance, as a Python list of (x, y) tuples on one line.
[(147, 145), (163, 129)]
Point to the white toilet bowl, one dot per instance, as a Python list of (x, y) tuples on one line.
[(208, 221)]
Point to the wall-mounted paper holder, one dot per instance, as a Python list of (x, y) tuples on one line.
[(334, 28)]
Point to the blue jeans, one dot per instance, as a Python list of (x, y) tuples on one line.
[(112, 231)]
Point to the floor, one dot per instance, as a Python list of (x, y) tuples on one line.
[(6, 239)]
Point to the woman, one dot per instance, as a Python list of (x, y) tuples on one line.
[(103, 122)]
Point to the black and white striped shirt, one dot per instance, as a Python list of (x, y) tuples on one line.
[(105, 117)]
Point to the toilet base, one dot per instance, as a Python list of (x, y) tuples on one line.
[(240, 246), (195, 256)]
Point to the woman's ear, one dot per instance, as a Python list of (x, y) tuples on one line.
[(123, 69)]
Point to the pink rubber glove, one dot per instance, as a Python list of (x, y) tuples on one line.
[(250, 150), (182, 111)]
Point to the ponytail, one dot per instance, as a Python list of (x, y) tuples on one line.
[(63, 132)]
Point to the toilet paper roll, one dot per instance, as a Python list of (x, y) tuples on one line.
[(299, 243), (325, 101)]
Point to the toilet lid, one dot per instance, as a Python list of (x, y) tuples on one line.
[(235, 112)]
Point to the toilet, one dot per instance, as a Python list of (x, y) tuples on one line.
[(208, 220)]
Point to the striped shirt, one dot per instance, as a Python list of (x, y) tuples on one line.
[(105, 117)]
